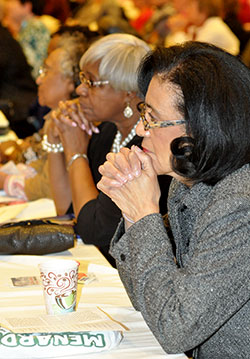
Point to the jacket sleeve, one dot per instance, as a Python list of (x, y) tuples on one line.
[(185, 306)]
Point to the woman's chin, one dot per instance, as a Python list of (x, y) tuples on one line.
[(159, 170), (156, 167)]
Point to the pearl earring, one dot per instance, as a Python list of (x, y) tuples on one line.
[(128, 112)]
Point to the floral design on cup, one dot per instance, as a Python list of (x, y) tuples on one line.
[(62, 287)]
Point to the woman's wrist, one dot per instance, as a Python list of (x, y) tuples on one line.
[(51, 147), (129, 220), (74, 157), (147, 213)]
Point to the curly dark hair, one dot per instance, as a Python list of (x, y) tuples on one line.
[(215, 103)]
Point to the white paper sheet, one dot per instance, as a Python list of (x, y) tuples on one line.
[(8, 213), (84, 319), (40, 208)]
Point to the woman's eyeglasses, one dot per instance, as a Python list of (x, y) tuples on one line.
[(84, 80), (43, 70), (141, 107)]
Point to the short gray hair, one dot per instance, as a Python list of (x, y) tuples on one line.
[(119, 56), (72, 47)]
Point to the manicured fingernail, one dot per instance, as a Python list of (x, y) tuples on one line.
[(137, 149), (121, 178)]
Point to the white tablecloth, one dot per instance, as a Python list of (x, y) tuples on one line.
[(106, 292)]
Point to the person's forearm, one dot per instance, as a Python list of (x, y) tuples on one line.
[(83, 188), (59, 182)]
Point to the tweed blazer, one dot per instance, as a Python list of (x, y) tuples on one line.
[(199, 299)]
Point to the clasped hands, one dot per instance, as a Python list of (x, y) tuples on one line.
[(70, 113), (130, 180), (67, 124)]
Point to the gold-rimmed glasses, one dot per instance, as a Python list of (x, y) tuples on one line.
[(43, 70), (84, 80), (141, 106)]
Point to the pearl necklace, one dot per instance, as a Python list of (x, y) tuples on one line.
[(117, 145)]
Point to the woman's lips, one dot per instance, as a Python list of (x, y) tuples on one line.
[(84, 107), (86, 111)]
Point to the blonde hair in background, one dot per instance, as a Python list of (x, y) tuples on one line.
[(119, 56)]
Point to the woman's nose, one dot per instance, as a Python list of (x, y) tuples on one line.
[(38, 80), (82, 90)]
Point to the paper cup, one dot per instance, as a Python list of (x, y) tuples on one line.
[(59, 278)]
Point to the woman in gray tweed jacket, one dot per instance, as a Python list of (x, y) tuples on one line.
[(195, 294)]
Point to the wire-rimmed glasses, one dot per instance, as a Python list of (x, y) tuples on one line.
[(89, 83)]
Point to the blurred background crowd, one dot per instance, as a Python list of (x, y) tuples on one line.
[(28, 26)]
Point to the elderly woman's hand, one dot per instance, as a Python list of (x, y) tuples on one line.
[(73, 139), (130, 180), (70, 113), (121, 167)]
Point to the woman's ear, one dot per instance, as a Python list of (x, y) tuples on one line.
[(130, 96)]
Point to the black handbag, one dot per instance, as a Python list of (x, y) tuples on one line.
[(38, 236)]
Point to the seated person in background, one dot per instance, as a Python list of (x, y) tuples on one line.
[(195, 128), (244, 13), (230, 17), (23, 150), (108, 93), (70, 30), (57, 82), (201, 20), (37, 112), (88, 12), (156, 29), (22, 19), (144, 11), (59, 9), (105, 16), (149, 15), (17, 87)]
